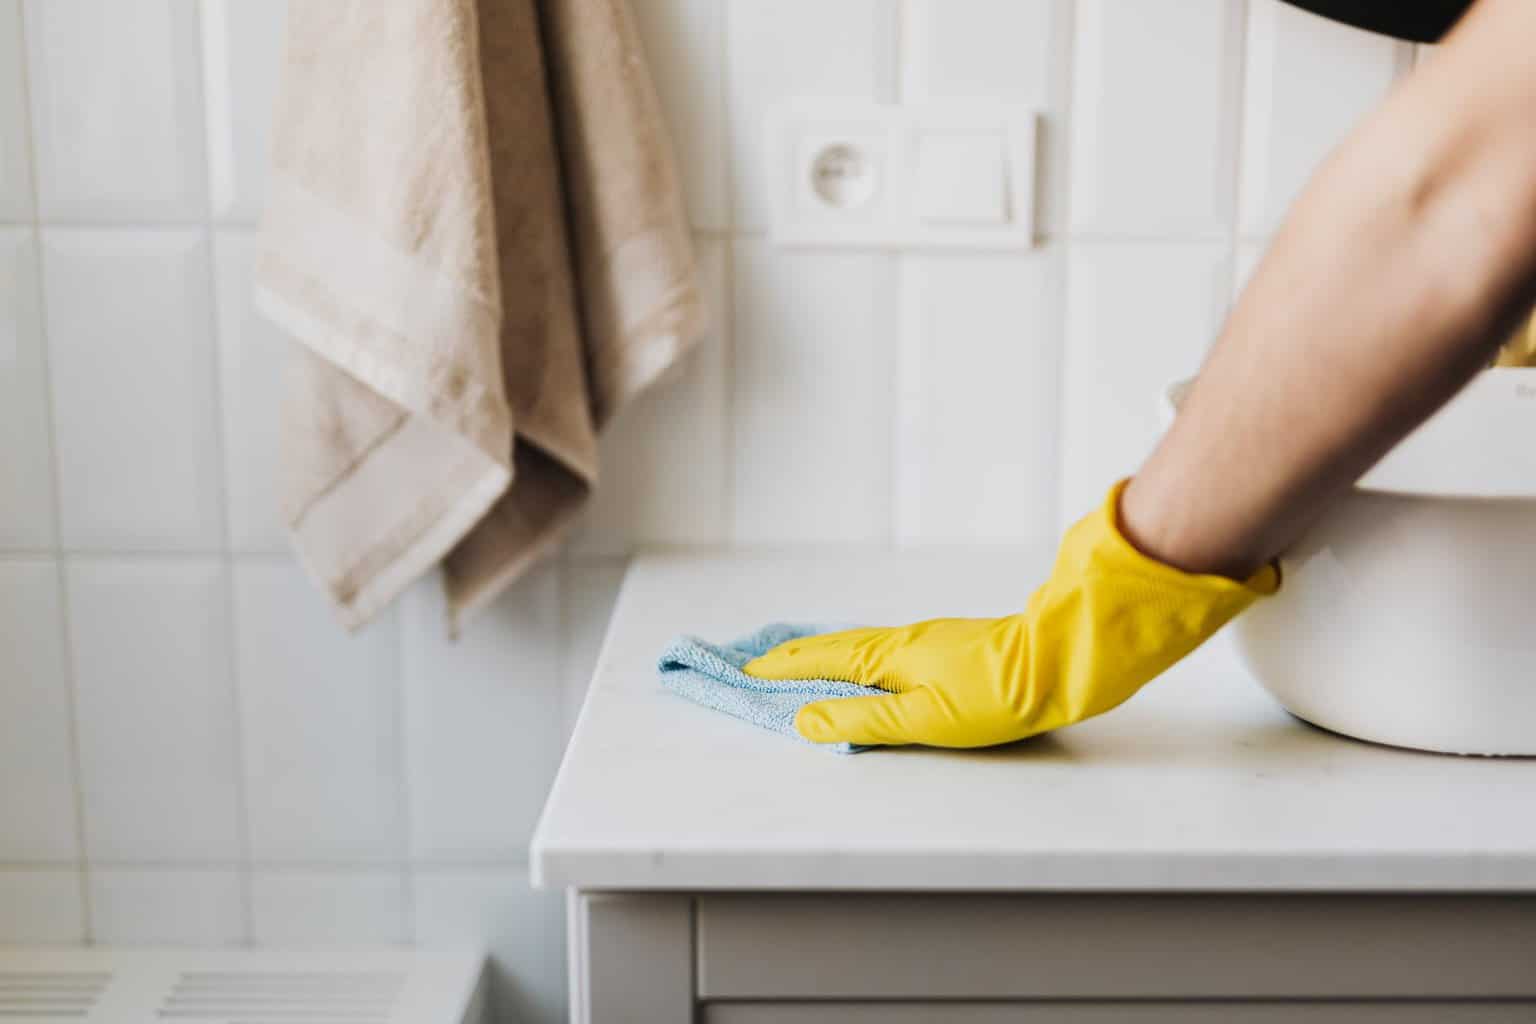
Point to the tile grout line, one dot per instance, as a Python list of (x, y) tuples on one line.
[(731, 239), (63, 625), (899, 271), (214, 266), (1063, 89), (1236, 117), (726, 331), (403, 783)]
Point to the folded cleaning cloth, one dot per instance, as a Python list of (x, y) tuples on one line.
[(474, 229), (710, 674)]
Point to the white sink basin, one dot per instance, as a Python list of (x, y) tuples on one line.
[(1408, 612)]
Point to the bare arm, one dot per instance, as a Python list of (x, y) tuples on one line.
[(1406, 262)]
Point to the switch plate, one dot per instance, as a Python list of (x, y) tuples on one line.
[(961, 179), (957, 175)]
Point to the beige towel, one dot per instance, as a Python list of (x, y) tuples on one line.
[(475, 230)]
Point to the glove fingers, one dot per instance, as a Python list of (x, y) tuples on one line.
[(890, 719), (851, 655)]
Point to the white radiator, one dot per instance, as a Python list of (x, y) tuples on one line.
[(105, 986)]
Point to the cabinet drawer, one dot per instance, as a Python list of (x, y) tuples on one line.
[(1120, 1013), (1115, 947)]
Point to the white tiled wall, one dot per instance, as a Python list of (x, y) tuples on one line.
[(191, 752)]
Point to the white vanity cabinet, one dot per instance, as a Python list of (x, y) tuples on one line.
[(1195, 856)]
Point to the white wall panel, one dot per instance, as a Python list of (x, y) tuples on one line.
[(792, 49), (1016, 51), (979, 400), (252, 353), (328, 908), (1154, 116), (26, 476), (41, 906), (664, 457), (685, 44), (242, 47), (1309, 81), (134, 403), (319, 711), (475, 788), (15, 147), (815, 365), (521, 930), (1139, 317), (590, 592), (166, 907), (155, 708), (37, 773), (116, 109)]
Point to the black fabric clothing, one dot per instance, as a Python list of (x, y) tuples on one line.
[(1423, 21)]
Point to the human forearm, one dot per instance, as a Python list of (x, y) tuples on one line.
[(1402, 267)]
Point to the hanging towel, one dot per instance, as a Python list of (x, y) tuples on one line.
[(475, 231), (710, 674)]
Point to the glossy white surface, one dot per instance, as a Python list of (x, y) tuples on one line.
[(1200, 783), (1407, 621)]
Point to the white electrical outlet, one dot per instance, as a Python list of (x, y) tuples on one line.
[(958, 175)]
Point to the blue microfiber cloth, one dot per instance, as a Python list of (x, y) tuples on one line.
[(710, 674)]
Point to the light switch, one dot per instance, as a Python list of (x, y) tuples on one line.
[(957, 175), (962, 179)]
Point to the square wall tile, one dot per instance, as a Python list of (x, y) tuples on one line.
[(242, 55), (252, 353), (591, 590), (155, 709), (793, 49), (1309, 81), (663, 469), (685, 46), (1154, 116), (26, 473), (966, 49), (978, 399), (814, 369), (37, 764), (522, 930), (166, 907), (15, 151), (328, 908), (117, 112), (1013, 51), (129, 322), (483, 718), (319, 722), (41, 907), (1140, 316)]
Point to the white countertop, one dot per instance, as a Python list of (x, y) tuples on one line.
[(1199, 783)]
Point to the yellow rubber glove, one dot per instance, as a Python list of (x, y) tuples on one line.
[(1521, 349), (1109, 620)]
